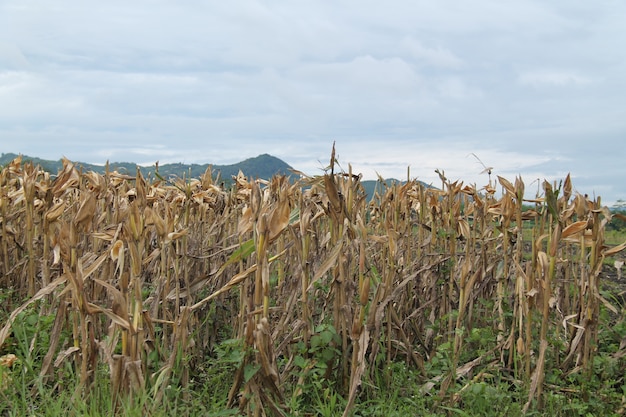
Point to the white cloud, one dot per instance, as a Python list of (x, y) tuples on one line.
[(436, 57), (362, 75), (11, 57), (456, 88), (552, 77)]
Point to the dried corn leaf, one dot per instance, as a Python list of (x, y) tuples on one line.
[(55, 211), (230, 284), (574, 228), (86, 211), (279, 219), (507, 185), (64, 354), (328, 263), (357, 374), (614, 250), (126, 324)]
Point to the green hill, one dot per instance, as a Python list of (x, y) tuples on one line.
[(263, 166), (372, 186)]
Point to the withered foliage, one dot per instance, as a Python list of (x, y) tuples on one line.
[(136, 269)]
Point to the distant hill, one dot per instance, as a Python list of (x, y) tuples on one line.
[(263, 166), (372, 186)]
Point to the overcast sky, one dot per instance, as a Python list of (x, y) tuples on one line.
[(533, 88)]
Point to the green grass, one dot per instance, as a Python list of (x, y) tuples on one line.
[(615, 237), (388, 390)]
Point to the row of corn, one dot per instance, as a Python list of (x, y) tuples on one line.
[(145, 277)]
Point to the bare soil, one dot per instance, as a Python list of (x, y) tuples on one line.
[(614, 280)]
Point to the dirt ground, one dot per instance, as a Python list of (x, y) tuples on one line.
[(614, 279)]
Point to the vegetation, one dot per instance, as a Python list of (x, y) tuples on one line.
[(127, 296)]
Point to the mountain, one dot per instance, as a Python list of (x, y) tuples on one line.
[(372, 186), (263, 166)]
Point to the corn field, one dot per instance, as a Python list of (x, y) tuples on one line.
[(146, 277)]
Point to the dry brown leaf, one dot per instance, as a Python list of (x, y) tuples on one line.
[(8, 360), (357, 374), (233, 281), (55, 212), (176, 235), (614, 250), (86, 211), (566, 320), (574, 228), (279, 219), (328, 263), (519, 345), (94, 266), (64, 354), (463, 228), (538, 374), (542, 257), (507, 185), (122, 322), (67, 178), (532, 292), (117, 249), (246, 220)]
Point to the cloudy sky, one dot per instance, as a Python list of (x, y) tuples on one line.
[(533, 88)]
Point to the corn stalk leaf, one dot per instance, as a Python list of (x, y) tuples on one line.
[(328, 263)]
